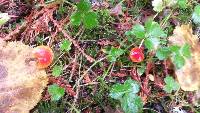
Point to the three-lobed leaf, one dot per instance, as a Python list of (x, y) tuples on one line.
[(84, 15), (151, 33)]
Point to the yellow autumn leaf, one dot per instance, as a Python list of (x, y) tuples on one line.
[(21, 82), (189, 75)]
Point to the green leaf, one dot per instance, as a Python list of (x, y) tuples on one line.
[(139, 31), (4, 17), (196, 15), (175, 49), (141, 70), (163, 53), (131, 103), (178, 61), (171, 84), (83, 6), (127, 95), (185, 50), (57, 70), (118, 90), (56, 92), (182, 3), (153, 29), (85, 15), (90, 20), (65, 45), (152, 43), (114, 53), (76, 18)]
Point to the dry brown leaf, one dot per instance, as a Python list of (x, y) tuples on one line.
[(21, 83), (189, 75)]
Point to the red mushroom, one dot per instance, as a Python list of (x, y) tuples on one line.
[(44, 56)]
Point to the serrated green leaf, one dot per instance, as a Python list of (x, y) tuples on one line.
[(153, 29), (152, 43), (185, 51), (127, 95), (76, 18), (90, 20), (56, 92), (141, 70), (163, 53), (196, 15), (4, 17), (132, 85), (57, 70), (178, 61), (65, 45), (171, 84), (139, 31), (131, 103), (114, 53), (83, 6), (118, 90), (175, 49), (182, 3)]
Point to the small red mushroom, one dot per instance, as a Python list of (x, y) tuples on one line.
[(136, 54), (44, 56)]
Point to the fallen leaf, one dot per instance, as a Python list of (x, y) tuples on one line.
[(21, 82), (188, 76)]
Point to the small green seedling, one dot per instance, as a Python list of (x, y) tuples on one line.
[(57, 70), (56, 92), (65, 45)]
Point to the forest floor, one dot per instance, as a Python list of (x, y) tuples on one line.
[(110, 56)]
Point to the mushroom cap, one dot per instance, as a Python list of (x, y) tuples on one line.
[(21, 82)]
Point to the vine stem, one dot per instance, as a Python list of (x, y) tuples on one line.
[(81, 78)]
